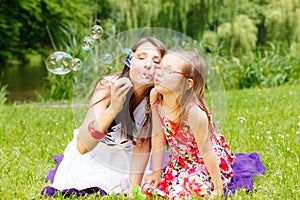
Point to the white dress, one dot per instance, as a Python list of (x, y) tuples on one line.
[(106, 166)]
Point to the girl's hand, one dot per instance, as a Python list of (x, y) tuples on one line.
[(218, 188), (118, 94), (136, 193), (154, 178)]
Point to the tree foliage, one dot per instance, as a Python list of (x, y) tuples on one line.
[(23, 24), (227, 26), (241, 34), (283, 20)]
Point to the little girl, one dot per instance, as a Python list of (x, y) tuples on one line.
[(200, 163)]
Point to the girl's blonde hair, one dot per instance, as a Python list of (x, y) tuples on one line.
[(195, 67)]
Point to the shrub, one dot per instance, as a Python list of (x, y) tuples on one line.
[(272, 66)]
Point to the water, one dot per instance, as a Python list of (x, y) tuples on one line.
[(23, 82)]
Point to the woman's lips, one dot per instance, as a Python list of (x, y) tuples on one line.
[(146, 75)]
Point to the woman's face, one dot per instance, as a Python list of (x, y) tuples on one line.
[(169, 76), (144, 60)]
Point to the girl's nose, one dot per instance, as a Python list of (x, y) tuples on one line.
[(158, 70)]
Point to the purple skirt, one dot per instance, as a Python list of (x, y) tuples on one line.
[(245, 168)]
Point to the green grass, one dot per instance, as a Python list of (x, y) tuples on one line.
[(263, 120)]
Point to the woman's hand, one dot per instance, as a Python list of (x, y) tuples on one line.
[(118, 94)]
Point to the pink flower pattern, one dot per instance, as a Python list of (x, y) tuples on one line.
[(186, 175)]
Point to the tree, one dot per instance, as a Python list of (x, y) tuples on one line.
[(283, 21), (241, 35), (23, 24)]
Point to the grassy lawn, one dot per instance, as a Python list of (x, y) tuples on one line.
[(263, 120)]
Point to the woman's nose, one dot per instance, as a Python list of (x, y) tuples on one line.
[(149, 64)]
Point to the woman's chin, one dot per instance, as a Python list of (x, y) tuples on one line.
[(144, 83), (146, 80)]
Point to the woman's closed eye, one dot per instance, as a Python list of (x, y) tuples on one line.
[(142, 56), (156, 60)]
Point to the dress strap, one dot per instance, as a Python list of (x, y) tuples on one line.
[(189, 106)]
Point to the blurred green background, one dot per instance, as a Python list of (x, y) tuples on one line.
[(253, 43)]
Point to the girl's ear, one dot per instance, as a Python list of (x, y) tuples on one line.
[(190, 83)]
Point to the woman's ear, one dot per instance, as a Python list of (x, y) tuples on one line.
[(190, 83)]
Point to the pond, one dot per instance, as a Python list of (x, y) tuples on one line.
[(23, 82)]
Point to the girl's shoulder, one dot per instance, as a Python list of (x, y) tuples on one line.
[(196, 115)]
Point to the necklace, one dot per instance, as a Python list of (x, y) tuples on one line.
[(145, 124)]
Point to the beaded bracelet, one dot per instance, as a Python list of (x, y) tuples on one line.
[(94, 132)]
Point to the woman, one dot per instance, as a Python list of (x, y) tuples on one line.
[(114, 133)]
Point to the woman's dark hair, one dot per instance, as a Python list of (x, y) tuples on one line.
[(126, 114), (155, 42)]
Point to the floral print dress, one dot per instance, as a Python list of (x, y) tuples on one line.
[(186, 175)]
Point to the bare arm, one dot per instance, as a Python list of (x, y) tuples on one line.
[(103, 112), (139, 161), (158, 142), (199, 125)]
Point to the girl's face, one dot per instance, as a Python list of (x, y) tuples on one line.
[(144, 60), (169, 75)]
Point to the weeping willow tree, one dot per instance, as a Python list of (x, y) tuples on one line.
[(134, 13), (235, 29), (191, 17), (283, 21), (241, 34)]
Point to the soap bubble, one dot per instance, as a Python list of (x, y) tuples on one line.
[(76, 64), (119, 46), (95, 68), (126, 51), (96, 32), (59, 63), (107, 58), (87, 43), (127, 55)]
